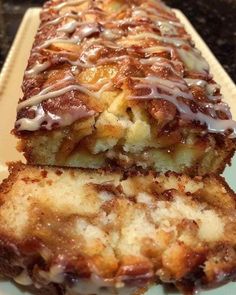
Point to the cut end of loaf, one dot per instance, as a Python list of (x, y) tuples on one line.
[(111, 231)]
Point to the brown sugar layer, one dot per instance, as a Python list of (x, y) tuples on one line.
[(121, 83), (106, 232)]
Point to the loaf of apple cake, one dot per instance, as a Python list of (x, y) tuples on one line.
[(120, 83)]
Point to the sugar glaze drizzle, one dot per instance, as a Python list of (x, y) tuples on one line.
[(69, 3), (170, 40), (174, 90)]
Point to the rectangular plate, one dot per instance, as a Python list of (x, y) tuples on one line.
[(10, 92)]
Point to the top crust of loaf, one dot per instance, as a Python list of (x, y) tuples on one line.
[(130, 49), (119, 82)]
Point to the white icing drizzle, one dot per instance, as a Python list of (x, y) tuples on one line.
[(176, 41), (213, 125), (193, 60), (69, 27), (210, 88), (179, 25), (57, 20), (158, 49), (88, 29), (104, 88), (224, 107), (101, 61), (112, 34), (139, 12), (78, 63), (57, 83), (147, 13), (49, 42), (213, 108), (214, 97), (36, 99), (76, 16), (50, 119), (159, 61), (175, 88), (167, 28), (105, 43), (114, 59), (125, 21), (37, 68), (35, 123), (196, 82), (69, 3)]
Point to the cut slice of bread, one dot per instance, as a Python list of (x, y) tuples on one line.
[(109, 232)]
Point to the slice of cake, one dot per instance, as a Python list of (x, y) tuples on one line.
[(102, 232), (120, 83)]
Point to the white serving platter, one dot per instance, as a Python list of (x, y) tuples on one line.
[(10, 91)]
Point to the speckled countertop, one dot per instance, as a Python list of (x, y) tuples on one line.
[(215, 20)]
